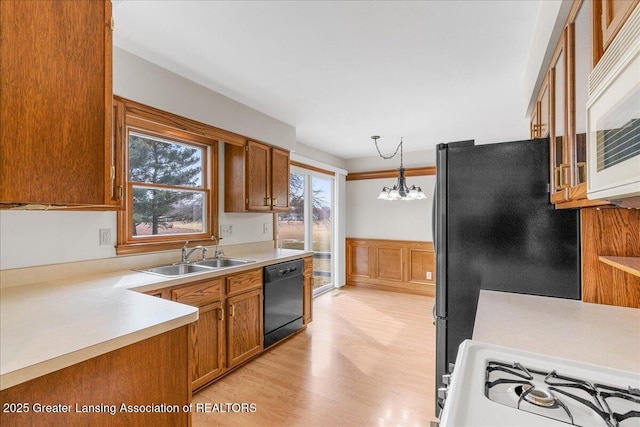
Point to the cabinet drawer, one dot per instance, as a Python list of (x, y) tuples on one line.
[(244, 281), (198, 294)]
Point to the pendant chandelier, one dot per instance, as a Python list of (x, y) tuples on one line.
[(401, 190)]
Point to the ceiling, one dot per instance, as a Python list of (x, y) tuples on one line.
[(342, 71)]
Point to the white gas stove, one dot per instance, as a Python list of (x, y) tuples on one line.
[(501, 386)]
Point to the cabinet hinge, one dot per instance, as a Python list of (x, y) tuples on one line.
[(113, 23), (246, 201)]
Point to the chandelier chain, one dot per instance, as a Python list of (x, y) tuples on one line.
[(375, 140)]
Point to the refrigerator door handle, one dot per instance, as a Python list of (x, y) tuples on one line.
[(433, 314), (434, 219)]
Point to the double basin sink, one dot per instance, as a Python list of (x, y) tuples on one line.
[(196, 267)]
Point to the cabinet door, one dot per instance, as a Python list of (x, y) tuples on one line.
[(207, 333), (55, 114), (207, 339), (258, 176), (279, 180), (244, 327), (570, 174), (235, 176), (580, 59), (560, 164)]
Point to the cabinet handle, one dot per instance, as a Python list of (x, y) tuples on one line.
[(221, 314), (232, 310), (559, 171), (275, 202), (535, 130), (267, 201), (564, 166)]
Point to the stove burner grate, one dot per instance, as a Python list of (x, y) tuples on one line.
[(551, 395)]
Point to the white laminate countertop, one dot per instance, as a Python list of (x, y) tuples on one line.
[(48, 326), (593, 333)]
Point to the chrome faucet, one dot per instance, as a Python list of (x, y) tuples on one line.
[(217, 252), (186, 252)]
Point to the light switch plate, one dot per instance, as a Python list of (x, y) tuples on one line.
[(226, 230)]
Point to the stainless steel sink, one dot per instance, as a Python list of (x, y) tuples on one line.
[(177, 270), (198, 267), (222, 262)]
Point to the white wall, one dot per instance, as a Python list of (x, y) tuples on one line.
[(139, 80), (368, 217), (305, 152), (29, 238)]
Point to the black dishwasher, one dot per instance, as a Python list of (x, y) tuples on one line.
[(283, 292)]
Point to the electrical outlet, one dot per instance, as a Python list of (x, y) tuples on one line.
[(428, 275), (105, 236), (226, 230), (265, 228)]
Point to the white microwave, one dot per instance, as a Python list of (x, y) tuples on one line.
[(613, 120)]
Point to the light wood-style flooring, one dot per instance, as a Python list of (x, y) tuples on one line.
[(367, 359)]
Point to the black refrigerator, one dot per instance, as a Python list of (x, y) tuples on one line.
[(495, 229)]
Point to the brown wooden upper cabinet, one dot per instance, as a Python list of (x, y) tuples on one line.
[(567, 81), (55, 114), (256, 178)]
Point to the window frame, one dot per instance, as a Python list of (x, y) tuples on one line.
[(309, 172), (146, 120)]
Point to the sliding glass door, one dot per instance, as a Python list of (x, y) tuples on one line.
[(309, 223)]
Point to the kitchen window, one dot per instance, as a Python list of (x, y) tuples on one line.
[(170, 179)]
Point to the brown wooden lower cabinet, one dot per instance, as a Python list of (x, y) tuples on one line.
[(110, 389), (207, 344), (396, 265), (229, 330), (206, 335), (244, 326)]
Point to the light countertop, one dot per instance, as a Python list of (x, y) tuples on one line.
[(48, 326), (593, 333)]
